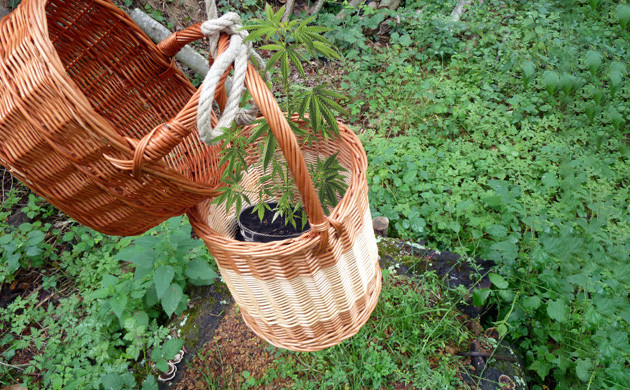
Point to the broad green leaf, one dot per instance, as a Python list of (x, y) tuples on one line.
[(583, 368), (118, 303), (502, 329), (171, 347), (171, 298), (557, 310), (568, 83), (498, 231), (480, 296), (549, 180), (150, 383), (33, 251), (162, 277), (129, 380), (593, 61), (200, 270), (531, 303), (498, 281), (112, 381), (101, 293), (162, 365), (35, 237), (622, 11), (528, 70), (551, 81)]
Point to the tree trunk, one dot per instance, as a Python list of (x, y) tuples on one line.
[(288, 10), (456, 15), (345, 12)]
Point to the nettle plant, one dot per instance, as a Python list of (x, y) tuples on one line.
[(290, 43)]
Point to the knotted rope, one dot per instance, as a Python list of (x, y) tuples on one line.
[(238, 52)]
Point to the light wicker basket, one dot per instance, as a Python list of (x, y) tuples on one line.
[(97, 119), (313, 291)]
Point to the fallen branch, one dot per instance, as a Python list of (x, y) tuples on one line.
[(391, 4), (4, 12), (456, 15), (195, 61), (317, 7), (344, 12)]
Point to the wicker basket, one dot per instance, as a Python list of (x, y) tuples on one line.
[(313, 291), (97, 119)]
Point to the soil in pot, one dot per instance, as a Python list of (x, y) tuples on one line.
[(253, 229)]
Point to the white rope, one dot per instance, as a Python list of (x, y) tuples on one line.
[(238, 53)]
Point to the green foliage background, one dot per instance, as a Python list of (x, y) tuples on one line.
[(507, 138)]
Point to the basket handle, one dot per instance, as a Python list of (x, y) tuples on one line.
[(287, 141), (278, 124), (163, 138)]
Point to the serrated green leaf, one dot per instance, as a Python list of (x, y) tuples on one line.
[(162, 365), (528, 70), (171, 298), (551, 80), (480, 296), (198, 269), (284, 67), (583, 368), (296, 62), (162, 277), (271, 46), (499, 231), (112, 381), (325, 50), (150, 383), (118, 304), (557, 310), (498, 281), (622, 11), (531, 303), (549, 180), (593, 61), (171, 348)]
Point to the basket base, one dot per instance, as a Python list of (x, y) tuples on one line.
[(326, 340)]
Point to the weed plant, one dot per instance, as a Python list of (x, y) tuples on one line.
[(108, 300), (403, 344), (505, 137)]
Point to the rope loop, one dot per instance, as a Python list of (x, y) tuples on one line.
[(238, 53)]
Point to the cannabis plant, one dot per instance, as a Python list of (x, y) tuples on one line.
[(290, 43)]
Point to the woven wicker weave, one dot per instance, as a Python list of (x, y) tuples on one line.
[(313, 291), (97, 119)]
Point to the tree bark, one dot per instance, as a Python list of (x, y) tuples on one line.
[(317, 7), (4, 12), (391, 4), (288, 10), (345, 12), (456, 15), (195, 61)]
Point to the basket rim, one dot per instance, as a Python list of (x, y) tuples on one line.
[(100, 127)]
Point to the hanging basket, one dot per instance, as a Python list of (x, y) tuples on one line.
[(313, 291), (97, 119)]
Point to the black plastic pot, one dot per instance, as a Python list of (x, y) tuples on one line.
[(253, 229)]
